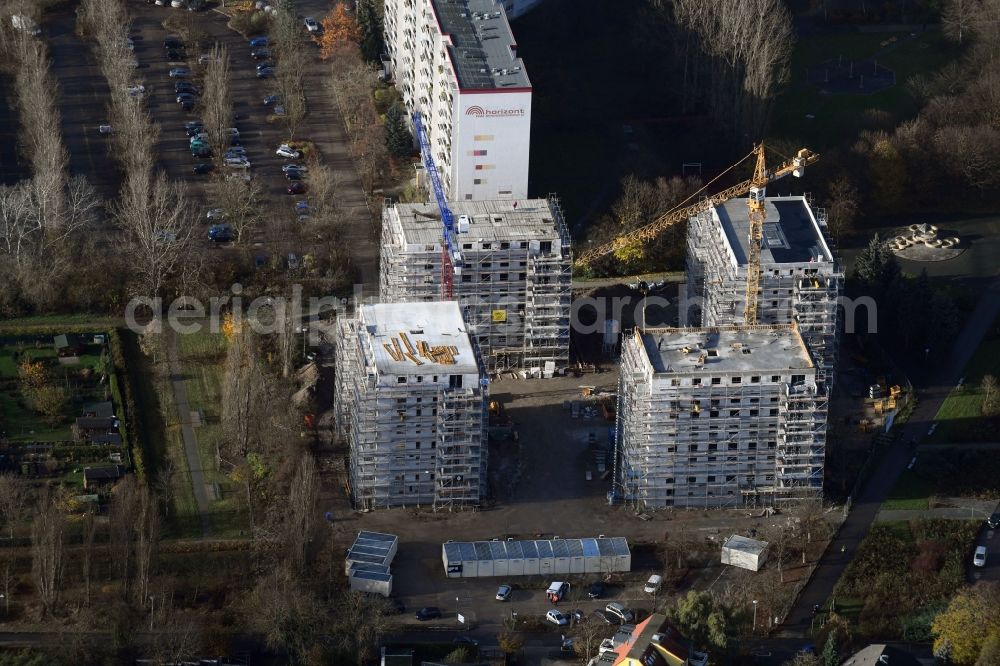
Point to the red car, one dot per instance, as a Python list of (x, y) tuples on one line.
[(298, 187)]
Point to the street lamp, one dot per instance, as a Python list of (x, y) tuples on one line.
[(151, 612), (754, 630)]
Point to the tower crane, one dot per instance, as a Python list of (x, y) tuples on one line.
[(450, 256), (755, 187)]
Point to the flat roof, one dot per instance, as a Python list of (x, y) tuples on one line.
[(498, 219), (791, 234), (436, 324), (725, 349), (482, 51), (457, 551), (745, 544)]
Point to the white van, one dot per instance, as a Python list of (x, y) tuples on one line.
[(979, 558), (653, 584), (557, 591)]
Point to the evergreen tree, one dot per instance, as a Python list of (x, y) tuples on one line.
[(370, 21), (829, 657), (398, 139), (876, 266)]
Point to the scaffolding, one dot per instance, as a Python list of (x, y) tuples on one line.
[(717, 417), (513, 280), (411, 402), (800, 280)]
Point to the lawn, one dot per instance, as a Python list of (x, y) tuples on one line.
[(960, 418), (912, 491), (840, 116), (202, 355)]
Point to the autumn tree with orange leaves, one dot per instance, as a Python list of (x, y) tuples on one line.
[(341, 32)]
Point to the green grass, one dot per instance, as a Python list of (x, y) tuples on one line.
[(960, 418), (911, 492), (202, 355), (839, 116)]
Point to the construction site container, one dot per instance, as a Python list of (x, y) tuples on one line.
[(483, 559), (744, 552)]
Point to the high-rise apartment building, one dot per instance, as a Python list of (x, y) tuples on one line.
[(510, 270), (455, 62), (410, 399), (716, 417), (800, 279)]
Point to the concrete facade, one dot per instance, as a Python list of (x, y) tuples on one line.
[(410, 399), (512, 279), (455, 62), (715, 417)]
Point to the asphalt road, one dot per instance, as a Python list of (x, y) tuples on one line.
[(932, 393), (11, 170), (83, 101)]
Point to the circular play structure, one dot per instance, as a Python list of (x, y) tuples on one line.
[(920, 242), (851, 77)]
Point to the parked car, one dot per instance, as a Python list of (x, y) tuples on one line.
[(257, 42), (206, 58), (302, 206), (294, 175), (202, 169), (186, 97), (504, 591), (298, 187), (979, 557), (220, 233), (271, 99), (596, 590), (428, 613), (184, 86), (993, 521), (465, 640), (177, 4), (284, 150), (265, 73), (172, 43), (577, 615), (237, 162), (236, 151), (652, 585), (215, 214), (179, 73), (260, 54), (164, 236), (104, 129), (294, 167), (193, 124), (557, 618), (136, 90), (312, 25), (618, 611), (175, 55), (201, 152)]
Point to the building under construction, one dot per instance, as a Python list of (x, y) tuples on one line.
[(718, 417), (800, 280), (410, 399), (510, 271)]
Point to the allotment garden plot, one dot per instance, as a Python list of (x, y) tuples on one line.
[(60, 409)]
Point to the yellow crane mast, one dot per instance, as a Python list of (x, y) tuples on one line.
[(755, 186)]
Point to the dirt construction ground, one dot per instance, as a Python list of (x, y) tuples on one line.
[(540, 490)]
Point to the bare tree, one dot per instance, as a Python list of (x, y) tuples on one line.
[(124, 501), (155, 217), (217, 100), (13, 497), (326, 214), (147, 539), (244, 395), (47, 545), (957, 18), (86, 562), (843, 205), (242, 199), (301, 522)]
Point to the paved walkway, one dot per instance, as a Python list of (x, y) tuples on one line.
[(932, 394), (187, 431)]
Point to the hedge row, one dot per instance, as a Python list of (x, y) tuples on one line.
[(127, 404)]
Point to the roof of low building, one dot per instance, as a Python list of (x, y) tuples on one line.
[(103, 473)]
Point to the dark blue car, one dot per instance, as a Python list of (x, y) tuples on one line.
[(258, 42), (220, 233)]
